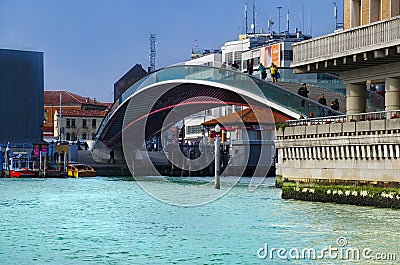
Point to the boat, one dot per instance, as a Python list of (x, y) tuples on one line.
[(80, 170), (21, 167)]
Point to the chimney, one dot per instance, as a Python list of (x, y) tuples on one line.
[(94, 100), (87, 100)]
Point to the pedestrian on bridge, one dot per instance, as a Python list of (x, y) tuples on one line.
[(274, 71), (303, 91), (262, 71), (322, 101), (235, 65), (222, 71), (335, 104), (250, 68)]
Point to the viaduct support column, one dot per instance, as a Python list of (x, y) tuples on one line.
[(392, 94), (356, 96)]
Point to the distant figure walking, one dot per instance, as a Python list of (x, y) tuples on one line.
[(222, 71), (111, 157), (273, 70), (235, 66), (303, 91), (250, 68), (262, 71), (322, 101), (335, 104)]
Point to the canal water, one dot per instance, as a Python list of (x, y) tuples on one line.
[(113, 221)]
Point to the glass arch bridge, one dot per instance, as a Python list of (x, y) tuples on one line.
[(181, 90)]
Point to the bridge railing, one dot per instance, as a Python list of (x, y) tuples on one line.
[(226, 76), (378, 35), (370, 116)]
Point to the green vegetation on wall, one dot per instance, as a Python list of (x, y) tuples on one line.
[(357, 195)]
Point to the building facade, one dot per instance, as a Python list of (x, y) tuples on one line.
[(79, 125), (365, 53), (347, 160), (69, 102), (21, 97), (132, 76), (249, 136), (362, 12)]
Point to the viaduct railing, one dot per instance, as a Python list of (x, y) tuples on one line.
[(370, 116), (374, 36)]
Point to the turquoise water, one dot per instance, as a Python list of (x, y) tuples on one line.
[(113, 221)]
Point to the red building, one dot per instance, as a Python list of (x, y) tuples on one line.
[(72, 104)]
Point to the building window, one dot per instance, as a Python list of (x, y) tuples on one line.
[(94, 123), (195, 129), (67, 137), (288, 55), (73, 123), (84, 136), (229, 58), (395, 8), (84, 121), (73, 138), (355, 13), (68, 123)]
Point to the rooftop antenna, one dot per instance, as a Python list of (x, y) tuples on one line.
[(270, 23), (279, 19), (303, 16), (152, 56), (254, 18), (288, 19), (245, 17), (195, 47)]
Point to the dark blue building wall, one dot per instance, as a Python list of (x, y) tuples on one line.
[(21, 96)]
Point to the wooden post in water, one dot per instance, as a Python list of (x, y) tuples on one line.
[(217, 158), (44, 165), (172, 164), (40, 162)]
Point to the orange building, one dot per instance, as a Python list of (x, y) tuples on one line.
[(69, 101)]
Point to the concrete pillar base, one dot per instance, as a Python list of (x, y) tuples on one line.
[(392, 94), (356, 98)]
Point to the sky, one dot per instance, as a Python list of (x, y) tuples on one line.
[(89, 44)]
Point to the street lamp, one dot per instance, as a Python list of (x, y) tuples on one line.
[(217, 130)]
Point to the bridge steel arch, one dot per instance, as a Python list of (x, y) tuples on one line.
[(186, 89)]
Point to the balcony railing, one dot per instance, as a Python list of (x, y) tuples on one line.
[(374, 36)]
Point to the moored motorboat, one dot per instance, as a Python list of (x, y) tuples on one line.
[(21, 166), (80, 170)]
